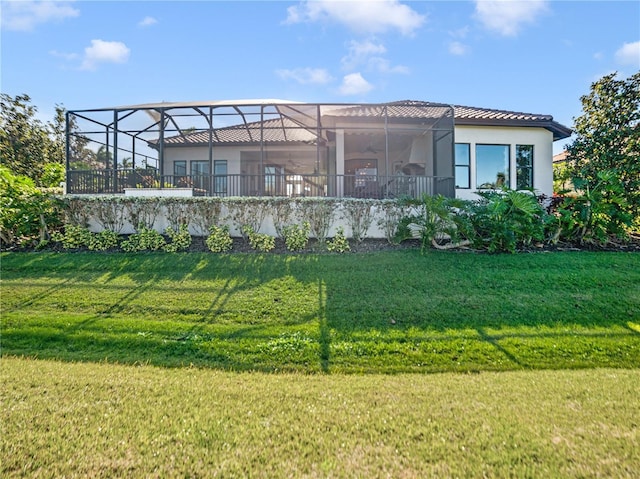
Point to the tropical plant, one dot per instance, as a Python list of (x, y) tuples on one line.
[(503, 220)]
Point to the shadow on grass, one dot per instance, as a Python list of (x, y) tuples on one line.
[(393, 312)]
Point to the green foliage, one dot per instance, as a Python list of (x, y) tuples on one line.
[(390, 214), (359, 215), (608, 138), (598, 211), (296, 237), (438, 220), (142, 212), (339, 243), (283, 211), (319, 213), (506, 219), (72, 237), (52, 175), (205, 213), (26, 214), (103, 241), (219, 239), (145, 239), (180, 239), (247, 212), (259, 241)]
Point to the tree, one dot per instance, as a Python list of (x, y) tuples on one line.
[(608, 137), (25, 145)]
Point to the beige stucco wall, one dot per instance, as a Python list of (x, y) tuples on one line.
[(540, 138)]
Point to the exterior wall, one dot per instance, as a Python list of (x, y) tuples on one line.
[(196, 153), (540, 138)]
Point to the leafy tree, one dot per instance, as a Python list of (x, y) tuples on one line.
[(25, 145), (608, 138), (26, 213)]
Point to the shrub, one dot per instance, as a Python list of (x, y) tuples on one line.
[(440, 222), (219, 240), (103, 241), (339, 243), (72, 237), (145, 240), (359, 214), (180, 239), (26, 214), (296, 237), (319, 213), (259, 241), (249, 212), (205, 213), (505, 219), (594, 214), (391, 214)]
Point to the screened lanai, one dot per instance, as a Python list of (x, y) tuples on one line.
[(264, 148)]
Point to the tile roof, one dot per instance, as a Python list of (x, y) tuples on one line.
[(285, 129)]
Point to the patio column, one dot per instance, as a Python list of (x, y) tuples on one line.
[(67, 153), (339, 163)]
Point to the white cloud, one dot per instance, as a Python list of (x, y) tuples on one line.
[(306, 76), (25, 15), (63, 55), (458, 48), (368, 53), (598, 56), (101, 51), (629, 54), (507, 17), (355, 84), (362, 16), (361, 52), (147, 22)]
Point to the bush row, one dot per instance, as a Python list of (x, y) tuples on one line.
[(500, 221)]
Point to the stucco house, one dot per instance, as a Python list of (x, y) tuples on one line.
[(284, 148)]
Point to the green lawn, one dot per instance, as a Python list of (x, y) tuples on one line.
[(105, 420), (381, 312), (538, 358)]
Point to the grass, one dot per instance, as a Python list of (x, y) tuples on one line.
[(104, 420), (388, 312), (550, 344)]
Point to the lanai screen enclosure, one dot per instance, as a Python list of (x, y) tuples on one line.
[(264, 148)]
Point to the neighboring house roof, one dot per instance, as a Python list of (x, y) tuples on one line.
[(561, 157), (290, 129)]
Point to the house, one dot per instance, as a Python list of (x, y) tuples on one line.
[(284, 148)]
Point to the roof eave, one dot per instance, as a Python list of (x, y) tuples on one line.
[(559, 131)]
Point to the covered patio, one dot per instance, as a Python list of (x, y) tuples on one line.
[(264, 148)]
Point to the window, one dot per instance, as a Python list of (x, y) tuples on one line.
[(200, 174), (179, 168), (524, 167), (492, 166), (463, 163), (220, 176)]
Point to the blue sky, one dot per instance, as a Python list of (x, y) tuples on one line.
[(535, 56)]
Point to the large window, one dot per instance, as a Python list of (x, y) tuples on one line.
[(463, 163), (220, 176), (200, 174), (524, 167), (492, 166)]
